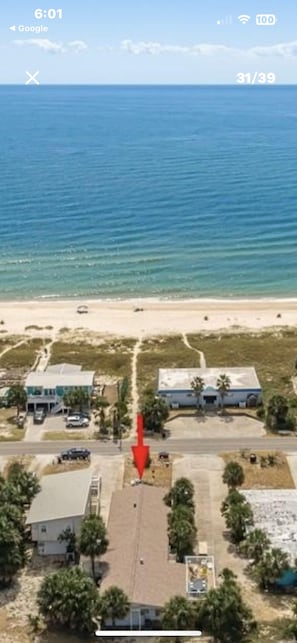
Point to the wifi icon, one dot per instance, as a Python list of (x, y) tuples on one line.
[(244, 19)]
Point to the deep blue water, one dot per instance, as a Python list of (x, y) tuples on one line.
[(148, 191)]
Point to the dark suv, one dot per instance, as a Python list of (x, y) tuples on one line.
[(76, 453)]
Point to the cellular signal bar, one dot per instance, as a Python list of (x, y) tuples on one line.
[(135, 633)]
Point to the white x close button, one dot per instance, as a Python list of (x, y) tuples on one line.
[(32, 78)]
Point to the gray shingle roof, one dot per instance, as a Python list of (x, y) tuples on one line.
[(139, 533), (62, 495)]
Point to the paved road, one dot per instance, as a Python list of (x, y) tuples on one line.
[(199, 446)]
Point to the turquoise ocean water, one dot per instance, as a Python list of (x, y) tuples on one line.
[(171, 192)]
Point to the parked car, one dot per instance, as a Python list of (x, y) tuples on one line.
[(79, 414), (76, 453), (77, 421), (39, 416)]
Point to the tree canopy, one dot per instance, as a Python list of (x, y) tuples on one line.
[(114, 604), (182, 493), (92, 539), (223, 614), (178, 614), (233, 475), (17, 396), (69, 599), (155, 412)]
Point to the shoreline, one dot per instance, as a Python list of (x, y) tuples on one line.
[(153, 317)]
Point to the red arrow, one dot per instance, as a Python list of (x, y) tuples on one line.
[(140, 451)]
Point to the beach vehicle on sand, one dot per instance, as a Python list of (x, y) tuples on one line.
[(82, 309)]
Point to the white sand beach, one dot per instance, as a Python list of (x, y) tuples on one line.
[(153, 317)]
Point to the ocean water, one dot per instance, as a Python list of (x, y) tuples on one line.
[(170, 192)]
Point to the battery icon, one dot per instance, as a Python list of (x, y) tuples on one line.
[(265, 19)]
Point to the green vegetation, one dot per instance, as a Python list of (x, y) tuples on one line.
[(114, 604), (162, 352), (198, 385), (181, 520), (255, 545), (155, 412), (93, 539), (223, 386), (22, 356), (233, 475), (69, 599), (17, 397), (238, 516), (179, 614), (110, 357), (278, 417), (221, 614), (16, 493), (273, 355), (77, 398)]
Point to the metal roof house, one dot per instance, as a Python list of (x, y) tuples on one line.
[(174, 384), (64, 499), (45, 389)]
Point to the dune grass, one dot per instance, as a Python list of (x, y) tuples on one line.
[(22, 356), (273, 355), (111, 358), (162, 352)]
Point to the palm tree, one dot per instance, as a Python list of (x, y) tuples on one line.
[(234, 497), (233, 475), (182, 538), (277, 412), (155, 412), (198, 386), (69, 599), (17, 396), (77, 398), (182, 493), (69, 537), (178, 614), (271, 567), (181, 512), (12, 548), (25, 482), (255, 545), (223, 613), (93, 539), (223, 387), (114, 604), (238, 519)]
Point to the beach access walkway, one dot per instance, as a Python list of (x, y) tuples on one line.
[(200, 353)]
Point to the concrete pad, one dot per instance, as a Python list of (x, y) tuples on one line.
[(200, 470), (111, 471), (214, 426), (34, 432), (292, 462)]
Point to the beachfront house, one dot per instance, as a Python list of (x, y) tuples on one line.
[(138, 559), (45, 389), (174, 385), (56, 508)]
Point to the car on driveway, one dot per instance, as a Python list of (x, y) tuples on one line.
[(76, 421), (39, 416), (76, 453)]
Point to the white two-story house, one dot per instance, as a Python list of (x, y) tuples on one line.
[(45, 389), (64, 500)]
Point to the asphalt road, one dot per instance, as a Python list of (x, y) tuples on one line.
[(190, 446)]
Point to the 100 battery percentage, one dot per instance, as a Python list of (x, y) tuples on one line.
[(266, 19)]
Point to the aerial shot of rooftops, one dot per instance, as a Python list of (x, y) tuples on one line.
[(148, 321)]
